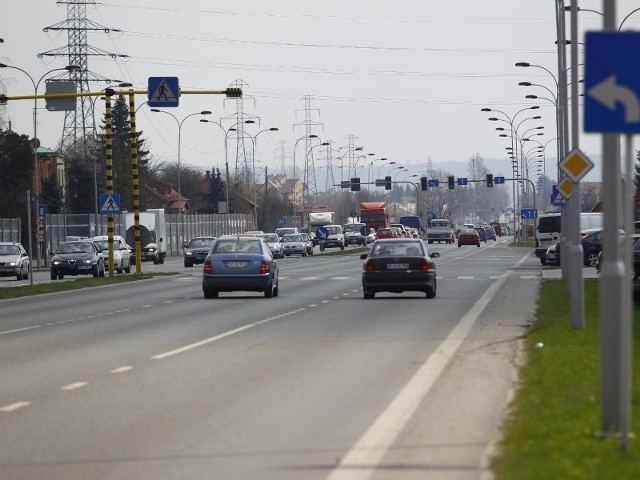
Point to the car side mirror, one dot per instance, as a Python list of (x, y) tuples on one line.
[(160, 239), (434, 255), (184, 245)]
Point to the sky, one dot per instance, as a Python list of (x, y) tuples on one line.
[(407, 79)]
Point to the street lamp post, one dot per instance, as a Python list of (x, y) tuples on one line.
[(254, 140), (180, 123), (36, 180)]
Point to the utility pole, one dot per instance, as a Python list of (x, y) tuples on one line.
[(79, 123), (309, 177)]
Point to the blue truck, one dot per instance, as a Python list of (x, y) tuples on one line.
[(412, 221)]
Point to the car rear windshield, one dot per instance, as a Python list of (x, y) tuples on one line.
[(237, 246), (201, 242), (400, 249), (549, 224)]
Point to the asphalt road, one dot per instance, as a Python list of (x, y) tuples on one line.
[(151, 381)]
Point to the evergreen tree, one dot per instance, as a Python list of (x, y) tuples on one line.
[(216, 193), (16, 170), (52, 196)]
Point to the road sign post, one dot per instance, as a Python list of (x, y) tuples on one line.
[(612, 107)]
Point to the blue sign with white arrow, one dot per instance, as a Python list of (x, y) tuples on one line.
[(612, 82), (322, 233), (434, 182), (462, 180)]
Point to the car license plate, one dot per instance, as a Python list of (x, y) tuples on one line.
[(237, 264), (397, 266), (84, 267)]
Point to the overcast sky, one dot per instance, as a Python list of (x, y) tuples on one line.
[(407, 78)]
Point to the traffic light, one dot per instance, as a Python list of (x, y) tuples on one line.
[(387, 183), (355, 184), (423, 183), (489, 180), (233, 92), (452, 182)]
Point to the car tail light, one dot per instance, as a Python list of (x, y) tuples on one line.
[(369, 266), (426, 265), (264, 267), (208, 266)]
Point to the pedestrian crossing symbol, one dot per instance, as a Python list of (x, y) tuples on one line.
[(109, 203), (163, 92)]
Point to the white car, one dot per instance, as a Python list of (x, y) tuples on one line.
[(121, 252), (273, 241), (294, 244), (14, 261)]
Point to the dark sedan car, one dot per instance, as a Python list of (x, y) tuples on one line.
[(468, 236), (482, 232), (399, 265), (196, 250), (77, 258), (240, 263)]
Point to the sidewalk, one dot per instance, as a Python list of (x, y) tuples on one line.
[(555, 273)]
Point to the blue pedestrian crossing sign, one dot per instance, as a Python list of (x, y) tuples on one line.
[(109, 203), (163, 92)]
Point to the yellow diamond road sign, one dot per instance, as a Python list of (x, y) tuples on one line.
[(565, 187), (576, 165)]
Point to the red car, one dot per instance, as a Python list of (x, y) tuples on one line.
[(384, 233), (468, 237)]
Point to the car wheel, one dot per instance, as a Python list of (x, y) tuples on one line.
[(94, 271), (367, 294), (162, 259), (591, 259), (120, 270), (60, 276), (342, 247), (188, 264), (276, 290), (25, 274), (128, 269), (210, 293), (431, 292), (156, 260), (543, 261), (304, 253), (54, 275), (478, 244), (268, 291), (459, 245)]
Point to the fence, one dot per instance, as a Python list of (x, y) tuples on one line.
[(10, 229)]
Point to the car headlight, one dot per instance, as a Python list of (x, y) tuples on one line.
[(56, 262), (12, 264), (87, 261), (187, 252)]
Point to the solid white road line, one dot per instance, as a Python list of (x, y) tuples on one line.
[(6, 332), (361, 461)]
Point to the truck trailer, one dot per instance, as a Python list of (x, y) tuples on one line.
[(153, 232)]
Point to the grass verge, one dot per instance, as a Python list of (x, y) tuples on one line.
[(554, 418), (37, 289)]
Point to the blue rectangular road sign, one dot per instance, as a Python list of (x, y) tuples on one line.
[(528, 213), (612, 82), (498, 180), (163, 92), (434, 182), (462, 180)]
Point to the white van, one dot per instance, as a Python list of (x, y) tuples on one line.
[(548, 229)]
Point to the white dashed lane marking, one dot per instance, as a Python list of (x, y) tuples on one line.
[(14, 406), (75, 386)]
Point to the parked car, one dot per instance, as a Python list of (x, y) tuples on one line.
[(293, 244), (240, 264), (399, 265), (635, 252), (483, 234), (197, 249), (308, 243), (468, 236), (121, 252), (77, 258), (592, 244), (273, 242), (553, 254), (14, 261)]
